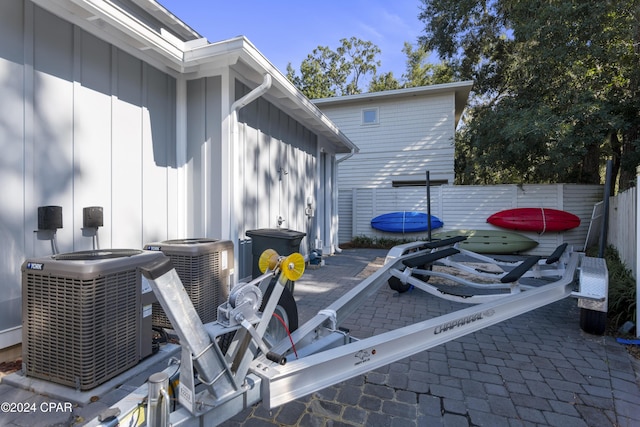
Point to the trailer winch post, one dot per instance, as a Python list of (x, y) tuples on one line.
[(158, 401), (605, 219), (207, 357)]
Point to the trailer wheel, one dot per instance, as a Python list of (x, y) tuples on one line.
[(398, 286), (592, 321), (286, 309)]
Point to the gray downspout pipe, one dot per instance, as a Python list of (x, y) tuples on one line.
[(338, 161)]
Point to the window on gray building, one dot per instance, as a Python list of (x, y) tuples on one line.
[(370, 116)]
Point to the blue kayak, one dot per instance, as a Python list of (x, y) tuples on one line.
[(405, 222)]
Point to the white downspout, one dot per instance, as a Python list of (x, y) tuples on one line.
[(182, 218), (335, 201), (347, 157), (253, 95), (236, 205)]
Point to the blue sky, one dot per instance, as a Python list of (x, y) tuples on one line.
[(287, 30)]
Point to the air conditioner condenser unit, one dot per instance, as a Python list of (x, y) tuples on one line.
[(86, 315), (204, 266)]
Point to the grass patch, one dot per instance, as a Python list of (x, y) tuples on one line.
[(622, 298)]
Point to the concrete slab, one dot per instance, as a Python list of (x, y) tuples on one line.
[(78, 397)]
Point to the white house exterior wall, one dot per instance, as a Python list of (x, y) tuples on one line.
[(83, 124), (204, 172), (95, 122), (88, 122), (414, 134), (278, 164)]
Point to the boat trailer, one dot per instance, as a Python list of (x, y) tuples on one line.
[(248, 355)]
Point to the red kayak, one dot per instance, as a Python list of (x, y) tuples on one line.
[(534, 219)]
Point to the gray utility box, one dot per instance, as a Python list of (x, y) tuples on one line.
[(84, 316), (283, 241), (204, 267)]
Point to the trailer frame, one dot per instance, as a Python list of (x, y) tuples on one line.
[(216, 385)]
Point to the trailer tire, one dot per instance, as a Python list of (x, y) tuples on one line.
[(592, 321), (287, 309), (398, 286)]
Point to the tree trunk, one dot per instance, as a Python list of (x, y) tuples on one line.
[(591, 165), (614, 143)]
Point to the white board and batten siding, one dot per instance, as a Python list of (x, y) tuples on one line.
[(83, 124), (468, 207), (279, 169), (100, 131)]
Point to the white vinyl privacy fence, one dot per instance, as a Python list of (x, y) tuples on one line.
[(624, 233), (468, 207), (622, 230)]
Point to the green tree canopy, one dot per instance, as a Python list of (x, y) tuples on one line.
[(555, 87), (384, 81), (420, 71), (326, 72)]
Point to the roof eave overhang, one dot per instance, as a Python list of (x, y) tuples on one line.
[(240, 54), (178, 50), (460, 90), (163, 48)]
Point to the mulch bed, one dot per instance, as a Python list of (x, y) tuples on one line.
[(7, 368)]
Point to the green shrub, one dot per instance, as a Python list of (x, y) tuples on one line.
[(377, 242), (622, 290)]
